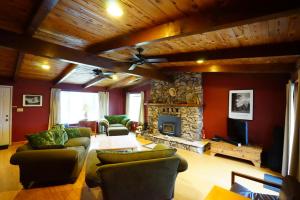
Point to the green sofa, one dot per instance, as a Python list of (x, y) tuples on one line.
[(151, 178), (116, 124), (59, 163)]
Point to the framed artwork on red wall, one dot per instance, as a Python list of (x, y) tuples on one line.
[(32, 100), (241, 104)]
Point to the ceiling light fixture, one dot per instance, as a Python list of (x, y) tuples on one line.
[(114, 77), (45, 67), (200, 61), (114, 9)]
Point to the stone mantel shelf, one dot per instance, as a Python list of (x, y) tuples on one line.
[(174, 104)]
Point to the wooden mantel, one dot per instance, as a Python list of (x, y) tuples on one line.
[(174, 104)]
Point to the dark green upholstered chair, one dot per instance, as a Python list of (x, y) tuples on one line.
[(150, 179), (116, 125)]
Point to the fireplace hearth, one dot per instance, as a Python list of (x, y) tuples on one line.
[(169, 125)]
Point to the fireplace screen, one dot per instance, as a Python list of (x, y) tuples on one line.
[(168, 128)]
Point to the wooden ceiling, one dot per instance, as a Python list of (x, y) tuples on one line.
[(75, 37)]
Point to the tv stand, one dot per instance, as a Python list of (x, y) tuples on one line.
[(250, 153)]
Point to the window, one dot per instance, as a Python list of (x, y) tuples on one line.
[(134, 107), (76, 106)]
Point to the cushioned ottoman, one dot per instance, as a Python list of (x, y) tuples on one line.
[(114, 131)]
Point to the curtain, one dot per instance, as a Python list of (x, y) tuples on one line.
[(295, 150), (54, 115), (141, 116), (103, 104), (127, 103), (287, 129)]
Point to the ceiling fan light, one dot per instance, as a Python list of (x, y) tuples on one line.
[(114, 77)]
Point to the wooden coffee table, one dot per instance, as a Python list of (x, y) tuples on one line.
[(121, 142)]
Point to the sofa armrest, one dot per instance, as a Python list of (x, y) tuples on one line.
[(92, 165), (129, 125), (49, 156), (183, 164), (104, 122), (85, 131)]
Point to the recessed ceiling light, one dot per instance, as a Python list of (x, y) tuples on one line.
[(114, 9), (114, 77), (200, 61), (46, 67)]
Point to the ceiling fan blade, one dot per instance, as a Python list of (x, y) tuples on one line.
[(108, 73), (156, 60), (132, 67)]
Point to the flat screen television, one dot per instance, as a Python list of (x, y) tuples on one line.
[(237, 131)]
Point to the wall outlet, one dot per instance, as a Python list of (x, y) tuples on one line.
[(20, 109)]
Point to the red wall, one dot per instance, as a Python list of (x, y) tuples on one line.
[(146, 88), (35, 119), (117, 101), (268, 110)]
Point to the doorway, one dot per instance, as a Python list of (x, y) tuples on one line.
[(5, 115)]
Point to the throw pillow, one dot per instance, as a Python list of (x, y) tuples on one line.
[(59, 134), (124, 121), (110, 157), (72, 132), (40, 139)]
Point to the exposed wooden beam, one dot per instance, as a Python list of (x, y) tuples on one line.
[(42, 48), (124, 82), (65, 73), (41, 13), (18, 64), (195, 24), (265, 50), (92, 82), (236, 68)]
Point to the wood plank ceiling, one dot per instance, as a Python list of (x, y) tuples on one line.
[(86, 26)]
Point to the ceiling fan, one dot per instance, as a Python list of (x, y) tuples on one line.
[(138, 60), (104, 74)]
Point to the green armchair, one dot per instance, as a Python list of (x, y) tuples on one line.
[(147, 179), (116, 124)]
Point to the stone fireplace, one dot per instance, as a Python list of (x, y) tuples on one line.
[(181, 99)]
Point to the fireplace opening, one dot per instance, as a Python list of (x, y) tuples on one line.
[(169, 125), (168, 128)]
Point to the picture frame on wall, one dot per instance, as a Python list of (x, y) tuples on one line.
[(32, 100), (241, 104)]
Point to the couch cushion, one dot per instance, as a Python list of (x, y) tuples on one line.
[(116, 125), (72, 132), (120, 130), (109, 157), (115, 119), (290, 189), (40, 139), (53, 146), (80, 141)]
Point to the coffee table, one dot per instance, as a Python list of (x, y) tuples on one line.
[(218, 193), (121, 142)]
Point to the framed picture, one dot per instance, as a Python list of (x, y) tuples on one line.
[(31, 100), (241, 104)]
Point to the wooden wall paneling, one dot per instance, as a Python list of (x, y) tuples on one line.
[(16, 14), (31, 67), (18, 64), (92, 82), (41, 13), (41, 48), (236, 68), (187, 26), (8, 59), (69, 69), (269, 50)]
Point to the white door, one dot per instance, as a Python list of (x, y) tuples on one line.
[(5, 115)]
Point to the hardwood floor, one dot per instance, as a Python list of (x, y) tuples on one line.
[(203, 173)]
